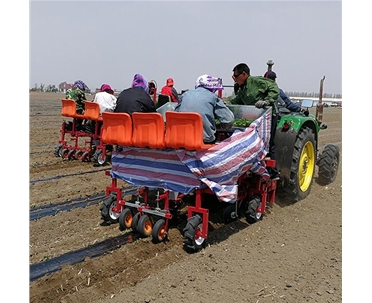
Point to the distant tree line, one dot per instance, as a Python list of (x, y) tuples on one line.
[(44, 88), (313, 95), (62, 87)]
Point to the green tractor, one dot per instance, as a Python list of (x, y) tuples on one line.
[(297, 151)]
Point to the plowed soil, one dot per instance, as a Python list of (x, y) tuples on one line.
[(293, 255)]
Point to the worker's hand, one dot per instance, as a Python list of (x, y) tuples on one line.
[(261, 103)]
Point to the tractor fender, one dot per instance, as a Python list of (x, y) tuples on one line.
[(284, 144)]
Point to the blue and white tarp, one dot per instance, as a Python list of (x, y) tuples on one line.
[(183, 171)]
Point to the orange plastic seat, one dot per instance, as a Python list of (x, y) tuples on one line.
[(148, 130), (92, 111), (69, 109), (185, 130), (117, 129)]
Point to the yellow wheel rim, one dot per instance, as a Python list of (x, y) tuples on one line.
[(306, 166)]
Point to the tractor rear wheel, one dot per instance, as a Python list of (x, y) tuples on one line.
[(328, 164), (303, 166)]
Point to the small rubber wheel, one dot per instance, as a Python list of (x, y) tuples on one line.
[(135, 221), (58, 150), (78, 155), (159, 233), (125, 219), (71, 154), (64, 153), (85, 157), (144, 226), (229, 213)]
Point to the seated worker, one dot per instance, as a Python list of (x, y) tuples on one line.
[(107, 102), (135, 98), (152, 89), (260, 92), (77, 93), (169, 90), (105, 98), (283, 98), (204, 101)]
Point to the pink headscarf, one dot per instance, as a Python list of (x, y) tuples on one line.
[(105, 87)]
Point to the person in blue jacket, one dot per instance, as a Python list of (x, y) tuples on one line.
[(293, 107)]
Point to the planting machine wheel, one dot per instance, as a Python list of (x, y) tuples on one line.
[(71, 154), (303, 166), (193, 240), (159, 232), (107, 214), (251, 215), (125, 219), (144, 226), (79, 155), (99, 159), (230, 214), (328, 164), (85, 157), (135, 221), (64, 153), (58, 150)]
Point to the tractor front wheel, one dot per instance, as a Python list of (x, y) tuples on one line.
[(328, 164)]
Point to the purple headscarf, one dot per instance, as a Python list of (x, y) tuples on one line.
[(140, 81), (79, 84)]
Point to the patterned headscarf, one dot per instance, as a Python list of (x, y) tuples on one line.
[(79, 84), (140, 81), (211, 83)]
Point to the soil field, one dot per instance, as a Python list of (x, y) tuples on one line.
[(293, 255)]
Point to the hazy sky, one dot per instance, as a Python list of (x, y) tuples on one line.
[(109, 41)]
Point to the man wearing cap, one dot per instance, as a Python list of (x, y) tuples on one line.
[(283, 98), (204, 101), (260, 92), (169, 90)]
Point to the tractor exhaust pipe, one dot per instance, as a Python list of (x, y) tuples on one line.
[(319, 106)]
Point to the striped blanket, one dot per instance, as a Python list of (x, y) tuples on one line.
[(183, 171)]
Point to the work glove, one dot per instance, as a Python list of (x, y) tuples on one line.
[(261, 103)]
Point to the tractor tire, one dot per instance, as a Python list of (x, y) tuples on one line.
[(303, 166), (328, 164), (193, 241), (107, 214), (98, 159)]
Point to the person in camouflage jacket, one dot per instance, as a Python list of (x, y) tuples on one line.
[(260, 92), (77, 93)]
